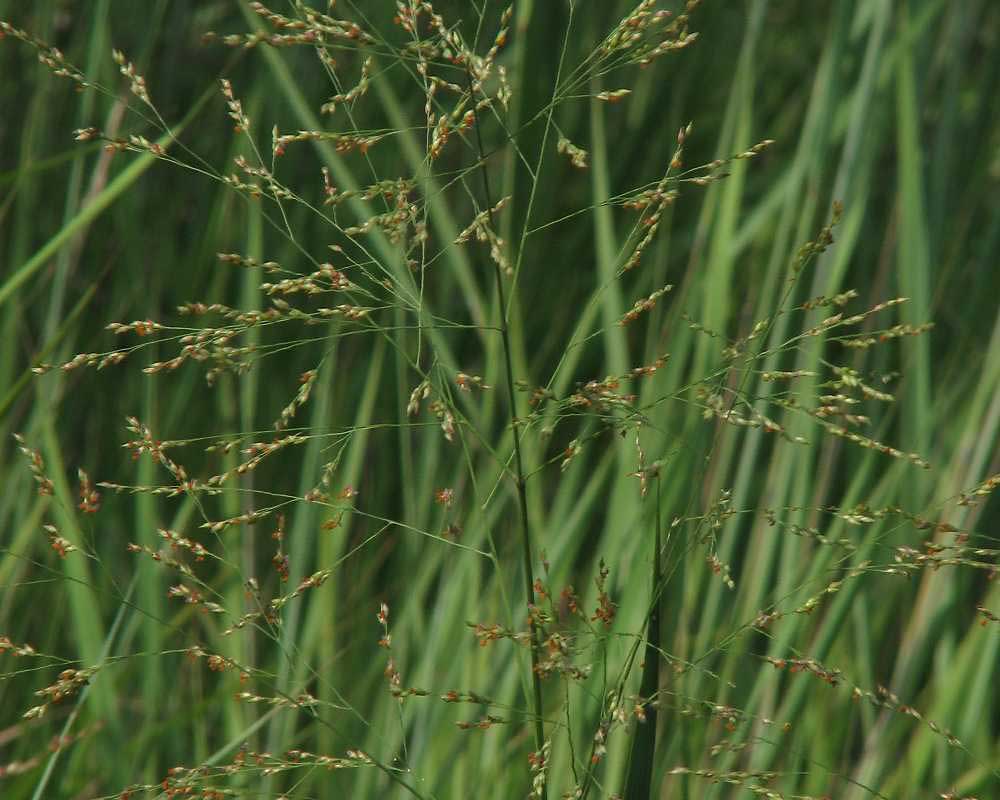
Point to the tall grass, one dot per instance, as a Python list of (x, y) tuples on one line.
[(504, 433)]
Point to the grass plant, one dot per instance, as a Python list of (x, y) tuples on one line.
[(564, 399)]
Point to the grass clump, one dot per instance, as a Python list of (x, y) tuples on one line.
[(524, 443)]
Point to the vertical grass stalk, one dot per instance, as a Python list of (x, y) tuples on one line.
[(519, 476), (640, 766)]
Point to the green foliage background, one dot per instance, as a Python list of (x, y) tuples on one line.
[(888, 106)]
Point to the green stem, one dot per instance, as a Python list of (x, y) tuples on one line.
[(640, 770), (519, 476)]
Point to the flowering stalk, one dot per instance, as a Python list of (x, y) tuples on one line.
[(519, 476)]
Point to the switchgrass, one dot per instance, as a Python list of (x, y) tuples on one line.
[(495, 430)]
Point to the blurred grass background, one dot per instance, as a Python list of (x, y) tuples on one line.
[(888, 106)]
